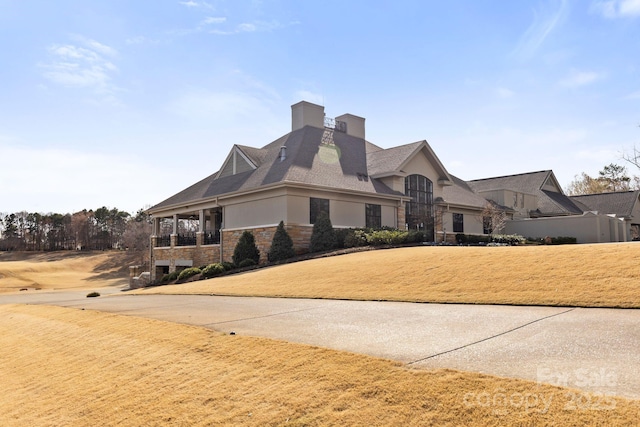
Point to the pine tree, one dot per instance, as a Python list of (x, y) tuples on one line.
[(281, 245), (323, 237), (246, 249)]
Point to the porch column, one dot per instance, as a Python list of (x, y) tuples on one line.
[(174, 235), (201, 227)]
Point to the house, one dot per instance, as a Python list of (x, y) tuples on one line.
[(538, 208), (321, 165), (621, 204), (328, 165)]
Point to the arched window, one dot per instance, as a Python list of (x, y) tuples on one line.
[(419, 211)]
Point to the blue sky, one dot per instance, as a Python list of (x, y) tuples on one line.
[(124, 103)]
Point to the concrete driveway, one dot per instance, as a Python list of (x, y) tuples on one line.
[(596, 350)]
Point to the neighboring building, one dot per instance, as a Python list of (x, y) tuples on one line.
[(328, 165), (623, 204)]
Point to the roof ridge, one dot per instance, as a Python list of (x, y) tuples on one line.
[(509, 176)]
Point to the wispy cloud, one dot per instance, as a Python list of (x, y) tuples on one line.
[(196, 4), (580, 78), (249, 27), (545, 20), (616, 8), (86, 64)]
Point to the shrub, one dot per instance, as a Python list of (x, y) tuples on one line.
[(415, 236), (323, 237), (213, 270), (355, 238), (227, 265), (188, 272), (281, 245), (387, 237), (471, 239), (247, 262), (93, 294), (170, 277), (342, 235), (246, 249), (508, 239)]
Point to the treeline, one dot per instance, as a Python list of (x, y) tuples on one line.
[(85, 230)]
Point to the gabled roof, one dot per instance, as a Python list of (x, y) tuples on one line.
[(460, 194), (314, 157), (543, 184), (391, 161), (620, 203)]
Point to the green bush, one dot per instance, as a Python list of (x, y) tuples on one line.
[(93, 294), (355, 238), (248, 262), (471, 239), (170, 277), (341, 236), (281, 245), (227, 265), (213, 270), (246, 249), (323, 237), (415, 236), (560, 240), (188, 272), (508, 239), (387, 237)]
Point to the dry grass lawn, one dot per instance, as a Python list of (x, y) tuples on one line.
[(70, 367), (599, 275), (62, 270)]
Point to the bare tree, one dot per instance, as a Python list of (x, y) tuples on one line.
[(494, 218)]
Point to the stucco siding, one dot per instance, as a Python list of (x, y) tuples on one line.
[(585, 228), (420, 165), (347, 214), (254, 213), (389, 216)]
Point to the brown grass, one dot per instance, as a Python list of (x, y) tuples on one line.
[(62, 270), (63, 366), (602, 275)]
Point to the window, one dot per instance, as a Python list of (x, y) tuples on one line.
[(419, 210), (316, 206), (522, 200), (458, 223), (373, 216)]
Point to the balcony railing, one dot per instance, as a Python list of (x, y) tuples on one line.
[(162, 241), (188, 239), (211, 238)]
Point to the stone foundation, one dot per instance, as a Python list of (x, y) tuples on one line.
[(300, 235), (198, 255)]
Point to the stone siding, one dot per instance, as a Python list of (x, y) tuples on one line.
[(199, 255), (402, 222), (300, 235)]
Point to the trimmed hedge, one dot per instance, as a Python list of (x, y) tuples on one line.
[(560, 240), (212, 270), (188, 272)]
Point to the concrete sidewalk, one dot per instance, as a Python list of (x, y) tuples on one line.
[(594, 350)]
